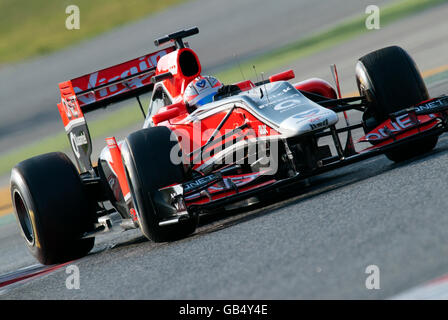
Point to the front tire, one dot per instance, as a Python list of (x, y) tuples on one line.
[(391, 81), (51, 208), (149, 167)]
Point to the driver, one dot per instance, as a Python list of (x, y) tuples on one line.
[(200, 91)]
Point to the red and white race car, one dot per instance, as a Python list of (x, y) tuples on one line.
[(205, 145)]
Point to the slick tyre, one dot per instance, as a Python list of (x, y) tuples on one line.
[(148, 166), (51, 208), (391, 81)]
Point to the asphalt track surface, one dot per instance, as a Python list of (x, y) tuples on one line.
[(314, 242)]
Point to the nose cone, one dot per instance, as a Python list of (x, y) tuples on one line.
[(313, 119)]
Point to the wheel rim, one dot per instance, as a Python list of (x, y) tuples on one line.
[(24, 217)]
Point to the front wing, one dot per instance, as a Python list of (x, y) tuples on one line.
[(218, 189)]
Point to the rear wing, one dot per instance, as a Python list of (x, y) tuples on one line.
[(120, 82), (99, 89)]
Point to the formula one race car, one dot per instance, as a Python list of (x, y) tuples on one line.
[(205, 145)]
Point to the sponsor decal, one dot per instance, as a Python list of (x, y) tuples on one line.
[(70, 107), (283, 94), (213, 81), (111, 143), (81, 139), (74, 145), (229, 184), (287, 104), (318, 125), (282, 97), (77, 142), (402, 122), (201, 83), (115, 73), (201, 183), (432, 106)]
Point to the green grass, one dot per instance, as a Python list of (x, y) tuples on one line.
[(324, 40), (125, 117), (37, 27)]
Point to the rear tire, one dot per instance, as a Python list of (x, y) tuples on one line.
[(148, 165), (391, 81), (51, 208)]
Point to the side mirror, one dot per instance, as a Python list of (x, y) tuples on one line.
[(282, 76), (172, 111)]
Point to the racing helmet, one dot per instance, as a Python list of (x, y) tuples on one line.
[(200, 91)]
